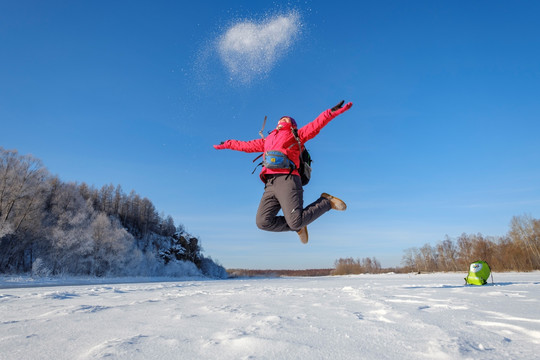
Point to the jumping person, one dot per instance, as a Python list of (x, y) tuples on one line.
[(283, 187)]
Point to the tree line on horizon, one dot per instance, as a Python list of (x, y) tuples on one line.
[(49, 227), (518, 250)]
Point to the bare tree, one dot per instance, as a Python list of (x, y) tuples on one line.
[(525, 232), (447, 255)]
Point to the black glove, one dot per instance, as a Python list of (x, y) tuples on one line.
[(338, 106)]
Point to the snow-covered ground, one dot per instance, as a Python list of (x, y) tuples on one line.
[(347, 317)]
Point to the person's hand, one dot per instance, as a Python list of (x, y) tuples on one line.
[(338, 106), (221, 146), (340, 109)]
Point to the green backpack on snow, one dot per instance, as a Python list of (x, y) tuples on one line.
[(479, 272)]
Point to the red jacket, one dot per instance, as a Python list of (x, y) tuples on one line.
[(284, 141)]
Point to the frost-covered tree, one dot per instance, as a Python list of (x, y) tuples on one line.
[(111, 245), (22, 188), (66, 244)]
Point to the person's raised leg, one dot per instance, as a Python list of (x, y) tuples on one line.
[(269, 207)]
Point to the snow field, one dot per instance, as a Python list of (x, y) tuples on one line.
[(392, 316)]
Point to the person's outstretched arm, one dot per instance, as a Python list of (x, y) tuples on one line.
[(256, 145), (310, 130)]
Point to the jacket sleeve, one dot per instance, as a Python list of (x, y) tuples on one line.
[(310, 130), (256, 145)]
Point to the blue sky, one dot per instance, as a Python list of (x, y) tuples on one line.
[(442, 138)]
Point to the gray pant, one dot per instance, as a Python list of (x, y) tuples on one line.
[(285, 192)]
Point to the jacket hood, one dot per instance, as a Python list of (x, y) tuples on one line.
[(285, 125)]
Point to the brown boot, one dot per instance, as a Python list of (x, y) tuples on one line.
[(303, 235), (337, 204)]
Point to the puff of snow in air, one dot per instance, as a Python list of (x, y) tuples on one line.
[(249, 49)]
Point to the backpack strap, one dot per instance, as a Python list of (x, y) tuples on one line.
[(292, 168), (259, 164), (295, 134)]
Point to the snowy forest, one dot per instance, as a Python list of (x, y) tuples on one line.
[(49, 227)]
